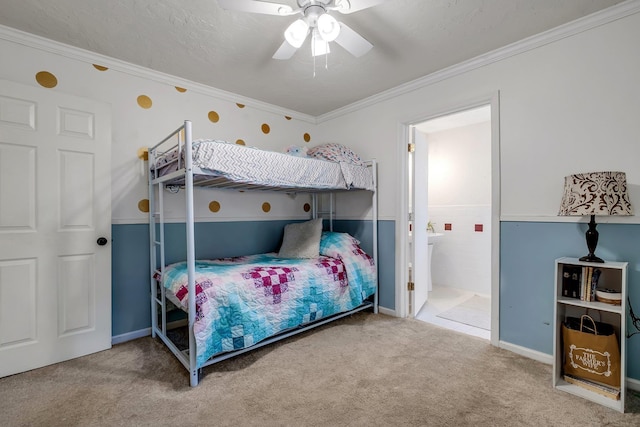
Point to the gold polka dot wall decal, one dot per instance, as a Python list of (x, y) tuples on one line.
[(214, 206), (143, 205), (144, 101), (266, 207), (265, 128), (143, 153), (99, 67), (307, 137), (46, 79), (180, 89), (214, 117), (240, 142), (287, 117), (240, 105), (306, 207)]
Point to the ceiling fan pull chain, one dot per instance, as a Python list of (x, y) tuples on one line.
[(314, 66), (326, 59)]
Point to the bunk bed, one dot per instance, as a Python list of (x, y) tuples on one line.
[(178, 164)]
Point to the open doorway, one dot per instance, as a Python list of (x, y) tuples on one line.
[(458, 159), (453, 193)]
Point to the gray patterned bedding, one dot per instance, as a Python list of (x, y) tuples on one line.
[(248, 165)]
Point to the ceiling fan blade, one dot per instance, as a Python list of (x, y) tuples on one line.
[(350, 6), (285, 51), (254, 6), (352, 42)]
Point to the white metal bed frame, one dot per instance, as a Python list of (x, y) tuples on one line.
[(156, 236)]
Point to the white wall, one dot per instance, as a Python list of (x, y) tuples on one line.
[(460, 166), (459, 191), (567, 106), (135, 128)]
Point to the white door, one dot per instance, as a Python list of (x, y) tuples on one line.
[(420, 271), (55, 204)]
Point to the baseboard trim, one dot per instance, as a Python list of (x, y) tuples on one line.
[(633, 384), (140, 333), (133, 335), (387, 311), (527, 352), (118, 339)]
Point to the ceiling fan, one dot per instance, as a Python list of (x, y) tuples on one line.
[(316, 20)]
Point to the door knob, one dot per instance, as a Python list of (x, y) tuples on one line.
[(102, 241)]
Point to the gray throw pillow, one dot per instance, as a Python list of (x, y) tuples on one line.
[(301, 240)]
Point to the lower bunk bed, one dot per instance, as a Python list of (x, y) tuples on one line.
[(235, 305)]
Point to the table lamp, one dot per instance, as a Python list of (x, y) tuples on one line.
[(595, 193)]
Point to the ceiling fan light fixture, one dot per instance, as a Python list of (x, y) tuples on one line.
[(316, 18), (328, 27), (296, 33)]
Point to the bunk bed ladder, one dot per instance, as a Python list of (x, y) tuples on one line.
[(157, 186), (156, 237)]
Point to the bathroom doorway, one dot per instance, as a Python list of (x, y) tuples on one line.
[(458, 154)]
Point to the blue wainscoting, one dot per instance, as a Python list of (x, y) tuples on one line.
[(130, 258), (528, 252)]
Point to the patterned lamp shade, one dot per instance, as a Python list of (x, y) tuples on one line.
[(595, 193)]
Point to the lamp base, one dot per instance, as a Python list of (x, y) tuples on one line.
[(592, 242), (591, 258)]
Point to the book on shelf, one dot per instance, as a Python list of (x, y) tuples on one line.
[(596, 387), (588, 283), (587, 273), (594, 283), (571, 279)]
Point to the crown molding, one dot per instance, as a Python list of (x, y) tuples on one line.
[(596, 19), (580, 25), (50, 46)]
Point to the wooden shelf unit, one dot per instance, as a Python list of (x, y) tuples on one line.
[(613, 276)]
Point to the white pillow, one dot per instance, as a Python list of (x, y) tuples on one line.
[(301, 240), (335, 153)]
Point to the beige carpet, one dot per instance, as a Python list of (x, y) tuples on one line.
[(366, 370)]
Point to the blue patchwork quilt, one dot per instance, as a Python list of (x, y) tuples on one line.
[(243, 300)]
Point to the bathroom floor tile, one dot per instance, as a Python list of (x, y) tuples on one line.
[(442, 299)]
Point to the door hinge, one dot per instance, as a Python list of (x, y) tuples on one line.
[(411, 286), (411, 147)]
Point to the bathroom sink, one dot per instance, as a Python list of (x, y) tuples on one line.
[(434, 237)]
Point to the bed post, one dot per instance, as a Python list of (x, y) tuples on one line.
[(314, 206), (332, 197), (152, 239), (374, 202), (191, 256)]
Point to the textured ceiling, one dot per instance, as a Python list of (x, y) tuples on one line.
[(199, 41)]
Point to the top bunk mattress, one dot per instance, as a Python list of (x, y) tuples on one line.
[(219, 163)]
